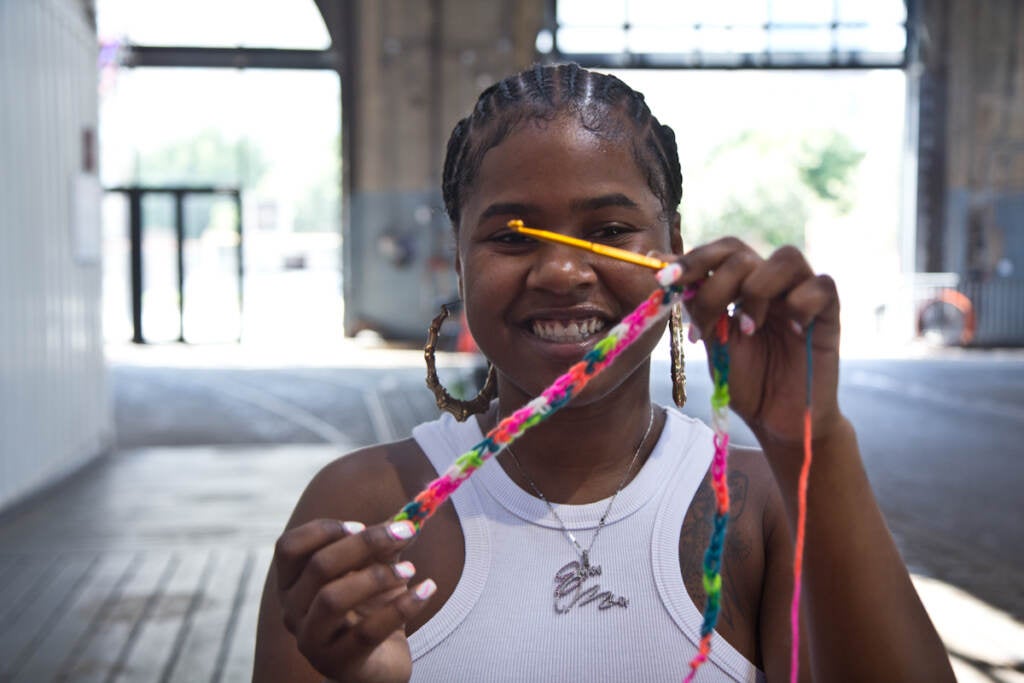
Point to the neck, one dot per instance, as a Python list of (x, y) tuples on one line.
[(581, 453)]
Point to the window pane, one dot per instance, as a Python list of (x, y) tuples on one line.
[(801, 40), (801, 11), (740, 12), (592, 13), (736, 32), (874, 11), (660, 13), (872, 39)]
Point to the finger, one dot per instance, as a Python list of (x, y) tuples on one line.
[(332, 605), (815, 299), (722, 288), (699, 262), (774, 279), (381, 623), (295, 546), (378, 543)]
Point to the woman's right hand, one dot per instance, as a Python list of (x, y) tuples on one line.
[(346, 599)]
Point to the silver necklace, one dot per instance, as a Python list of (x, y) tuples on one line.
[(584, 569)]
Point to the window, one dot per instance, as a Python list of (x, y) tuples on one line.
[(733, 34)]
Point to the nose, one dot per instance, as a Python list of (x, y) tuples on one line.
[(561, 269)]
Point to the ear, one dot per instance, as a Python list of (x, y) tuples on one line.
[(675, 234)]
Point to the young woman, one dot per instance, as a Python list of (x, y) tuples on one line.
[(577, 555)]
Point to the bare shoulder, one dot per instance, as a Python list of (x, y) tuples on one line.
[(368, 485), (749, 468)]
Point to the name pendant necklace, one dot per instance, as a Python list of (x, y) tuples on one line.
[(585, 569)]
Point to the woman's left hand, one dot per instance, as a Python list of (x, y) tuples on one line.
[(776, 300)]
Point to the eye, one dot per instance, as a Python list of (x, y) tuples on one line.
[(511, 237), (610, 232)]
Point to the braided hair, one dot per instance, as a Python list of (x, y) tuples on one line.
[(602, 103)]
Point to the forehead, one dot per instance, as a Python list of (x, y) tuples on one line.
[(558, 163)]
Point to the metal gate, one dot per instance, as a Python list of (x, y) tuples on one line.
[(191, 258)]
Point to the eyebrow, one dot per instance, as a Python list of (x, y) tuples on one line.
[(588, 204), (507, 209), (594, 203)]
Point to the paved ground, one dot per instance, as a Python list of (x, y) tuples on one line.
[(147, 565)]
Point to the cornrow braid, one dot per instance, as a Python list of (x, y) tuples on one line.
[(569, 77), (544, 92)]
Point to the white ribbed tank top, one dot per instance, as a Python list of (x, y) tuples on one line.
[(500, 624)]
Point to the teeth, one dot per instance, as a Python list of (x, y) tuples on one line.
[(568, 330)]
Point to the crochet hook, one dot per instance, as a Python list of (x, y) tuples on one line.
[(604, 250)]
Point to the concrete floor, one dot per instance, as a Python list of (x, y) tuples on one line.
[(147, 565)]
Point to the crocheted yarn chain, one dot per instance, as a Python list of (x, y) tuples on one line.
[(653, 308), (719, 484), (657, 305), (584, 555)]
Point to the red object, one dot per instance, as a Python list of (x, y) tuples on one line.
[(465, 342)]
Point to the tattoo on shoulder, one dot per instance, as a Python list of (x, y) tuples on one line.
[(694, 536)]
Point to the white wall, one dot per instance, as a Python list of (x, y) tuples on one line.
[(54, 405)]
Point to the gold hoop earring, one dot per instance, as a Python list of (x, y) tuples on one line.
[(675, 328), (445, 401)]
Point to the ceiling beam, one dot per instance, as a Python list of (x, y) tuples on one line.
[(228, 57)]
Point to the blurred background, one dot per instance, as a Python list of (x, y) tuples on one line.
[(223, 242)]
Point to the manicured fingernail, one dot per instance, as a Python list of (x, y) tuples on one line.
[(694, 334), (747, 325), (425, 589), (795, 326), (670, 274), (402, 531), (352, 528), (405, 570)]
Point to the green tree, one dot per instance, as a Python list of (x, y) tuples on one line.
[(208, 158), (826, 165), (764, 188)]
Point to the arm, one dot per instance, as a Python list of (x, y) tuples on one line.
[(336, 600), (865, 621)]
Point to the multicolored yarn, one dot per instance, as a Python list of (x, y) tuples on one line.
[(565, 387), (561, 391), (719, 483), (801, 522)]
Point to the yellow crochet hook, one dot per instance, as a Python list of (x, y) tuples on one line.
[(604, 250)]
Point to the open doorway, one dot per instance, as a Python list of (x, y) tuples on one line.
[(273, 134)]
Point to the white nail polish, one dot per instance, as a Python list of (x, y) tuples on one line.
[(747, 325), (405, 570), (353, 528), (694, 334), (402, 531), (669, 274), (795, 326), (425, 589)]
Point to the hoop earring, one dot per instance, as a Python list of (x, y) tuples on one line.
[(675, 328), (445, 401)]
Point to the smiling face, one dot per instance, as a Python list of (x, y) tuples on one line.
[(535, 308)]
